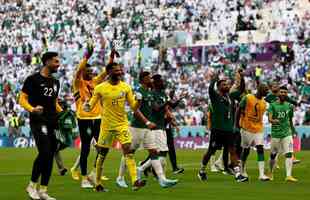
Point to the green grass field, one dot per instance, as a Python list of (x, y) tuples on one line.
[(15, 168)]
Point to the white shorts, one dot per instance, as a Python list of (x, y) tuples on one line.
[(144, 137), (248, 139), (161, 140), (282, 145)]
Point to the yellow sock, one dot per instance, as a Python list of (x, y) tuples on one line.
[(84, 177), (33, 184), (131, 165), (43, 188), (99, 164)]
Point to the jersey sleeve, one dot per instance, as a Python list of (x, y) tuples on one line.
[(78, 74), (271, 109), (95, 98), (291, 113), (131, 99), (28, 85), (243, 102)]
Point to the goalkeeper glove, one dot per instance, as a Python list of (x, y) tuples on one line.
[(89, 50)]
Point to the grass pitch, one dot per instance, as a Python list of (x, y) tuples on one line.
[(15, 169)]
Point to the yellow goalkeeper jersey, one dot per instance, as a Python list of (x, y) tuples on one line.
[(83, 91), (113, 99)]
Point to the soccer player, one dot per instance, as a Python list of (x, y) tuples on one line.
[(273, 95), (39, 96), (84, 83), (280, 116), (160, 109), (222, 125), (113, 95), (141, 133), (252, 109)]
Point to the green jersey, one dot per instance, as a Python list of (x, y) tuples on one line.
[(159, 101), (284, 113), (223, 113), (145, 108)]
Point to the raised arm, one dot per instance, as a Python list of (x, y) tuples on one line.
[(102, 76), (213, 95), (239, 86), (82, 65), (79, 73)]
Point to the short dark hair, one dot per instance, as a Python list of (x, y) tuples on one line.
[(283, 87), (142, 75), (110, 66), (156, 77), (47, 56), (219, 82)]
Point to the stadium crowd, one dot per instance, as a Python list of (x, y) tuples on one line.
[(130, 24)]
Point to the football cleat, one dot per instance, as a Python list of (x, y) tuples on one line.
[(32, 193), (202, 175), (178, 171), (44, 196), (290, 179), (167, 183), (75, 174), (241, 178), (120, 182), (100, 188), (138, 184), (264, 178)]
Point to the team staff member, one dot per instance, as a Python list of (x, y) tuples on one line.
[(39, 96)]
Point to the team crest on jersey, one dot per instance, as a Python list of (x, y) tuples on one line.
[(55, 87), (122, 94), (44, 130)]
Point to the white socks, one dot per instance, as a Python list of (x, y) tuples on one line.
[(122, 168), (212, 161), (77, 163), (219, 160), (261, 168), (157, 166), (288, 166), (163, 162), (147, 164)]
